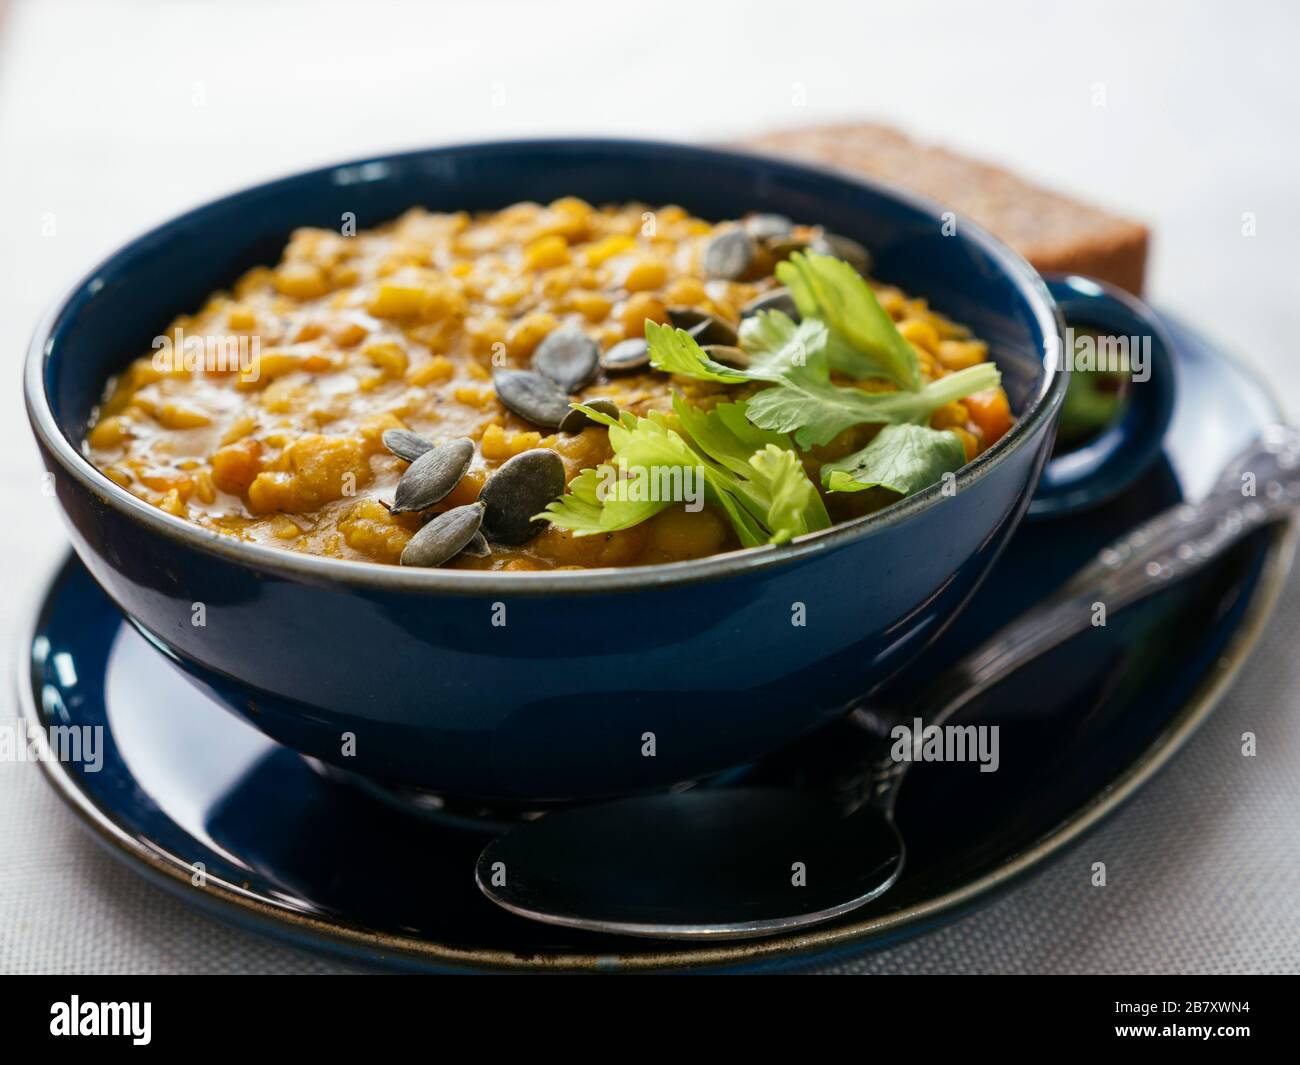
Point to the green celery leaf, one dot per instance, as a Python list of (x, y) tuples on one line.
[(794, 507), (817, 411), (725, 434), (580, 509), (902, 458), (770, 481), (766, 332), (638, 443), (830, 289), (804, 400), (748, 528), (751, 474), (776, 343), (675, 351)]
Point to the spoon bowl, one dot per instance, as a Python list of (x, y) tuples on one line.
[(733, 862)]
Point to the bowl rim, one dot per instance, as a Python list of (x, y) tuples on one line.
[(379, 576)]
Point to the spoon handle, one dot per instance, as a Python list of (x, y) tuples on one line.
[(1260, 486)]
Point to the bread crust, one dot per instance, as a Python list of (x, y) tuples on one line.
[(1052, 231)]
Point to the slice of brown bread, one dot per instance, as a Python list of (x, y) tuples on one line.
[(1052, 231)]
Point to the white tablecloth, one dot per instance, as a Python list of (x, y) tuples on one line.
[(114, 115)]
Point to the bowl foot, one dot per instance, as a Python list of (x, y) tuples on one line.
[(457, 811)]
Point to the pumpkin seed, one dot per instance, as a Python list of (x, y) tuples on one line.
[(730, 255), (534, 398), (844, 248), (478, 546), (686, 317), (405, 444), (784, 246), (704, 328), (779, 299), (630, 354), (568, 357), (520, 489), (431, 476), (765, 226), (444, 537), (575, 421), (727, 354)]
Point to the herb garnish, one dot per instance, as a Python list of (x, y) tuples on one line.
[(804, 401), (863, 340), (753, 475), (902, 458), (743, 451)]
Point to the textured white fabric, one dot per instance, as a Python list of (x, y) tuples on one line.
[(116, 113)]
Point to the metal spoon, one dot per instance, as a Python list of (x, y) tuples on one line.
[(732, 862)]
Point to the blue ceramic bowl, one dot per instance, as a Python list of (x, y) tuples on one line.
[(409, 675)]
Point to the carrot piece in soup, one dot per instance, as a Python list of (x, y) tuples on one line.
[(991, 412)]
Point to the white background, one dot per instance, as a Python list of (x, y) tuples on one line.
[(114, 115)]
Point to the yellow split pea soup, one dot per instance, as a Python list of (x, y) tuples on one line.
[(263, 415)]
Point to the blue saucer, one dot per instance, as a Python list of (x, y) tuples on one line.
[(206, 806)]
